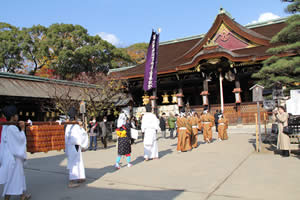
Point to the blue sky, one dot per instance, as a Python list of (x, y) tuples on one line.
[(125, 22)]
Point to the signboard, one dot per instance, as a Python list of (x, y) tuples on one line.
[(257, 93), (82, 107)]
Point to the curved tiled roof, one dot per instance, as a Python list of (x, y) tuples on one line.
[(184, 53)]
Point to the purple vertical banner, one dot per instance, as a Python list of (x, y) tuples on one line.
[(150, 75)]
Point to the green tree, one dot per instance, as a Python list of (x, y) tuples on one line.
[(74, 51), (280, 68), (34, 47), (10, 50)]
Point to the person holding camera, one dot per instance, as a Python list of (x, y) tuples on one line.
[(283, 141)]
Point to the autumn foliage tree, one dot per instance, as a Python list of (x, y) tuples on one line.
[(137, 52), (105, 93)]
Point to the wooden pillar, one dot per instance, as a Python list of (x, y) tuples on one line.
[(237, 82), (237, 90), (153, 99), (205, 94), (221, 92), (205, 85), (180, 96)]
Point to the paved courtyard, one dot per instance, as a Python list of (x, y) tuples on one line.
[(226, 170)]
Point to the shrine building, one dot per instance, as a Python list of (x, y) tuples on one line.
[(210, 70)]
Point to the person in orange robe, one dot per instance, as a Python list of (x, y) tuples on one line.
[(194, 123), (184, 134), (207, 121), (222, 128)]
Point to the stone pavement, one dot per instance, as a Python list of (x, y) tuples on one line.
[(226, 170)]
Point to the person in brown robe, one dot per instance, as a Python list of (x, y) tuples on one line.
[(184, 134), (193, 120), (222, 128), (207, 121)]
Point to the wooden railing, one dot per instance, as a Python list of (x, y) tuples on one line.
[(243, 113)]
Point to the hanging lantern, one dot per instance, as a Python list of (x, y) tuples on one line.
[(47, 114), (237, 94), (21, 113), (179, 99), (204, 95), (146, 99), (27, 114), (53, 114), (33, 114), (165, 98), (174, 98)]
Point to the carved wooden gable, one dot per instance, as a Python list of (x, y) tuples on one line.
[(230, 40)]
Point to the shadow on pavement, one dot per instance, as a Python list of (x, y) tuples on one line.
[(253, 142), (112, 194), (52, 165)]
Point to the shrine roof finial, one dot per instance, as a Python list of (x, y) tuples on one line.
[(223, 11)]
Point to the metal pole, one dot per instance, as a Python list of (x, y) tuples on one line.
[(258, 119), (221, 92), (256, 132)]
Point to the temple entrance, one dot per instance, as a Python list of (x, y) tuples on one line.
[(227, 91)]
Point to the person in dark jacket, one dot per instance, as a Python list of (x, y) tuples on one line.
[(162, 124), (94, 130), (216, 116), (103, 126)]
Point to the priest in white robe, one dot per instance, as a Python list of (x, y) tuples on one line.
[(13, 156), (150, 126), (75, 139)]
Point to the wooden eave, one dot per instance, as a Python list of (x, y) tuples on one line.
[(223, 18), (197, 49)]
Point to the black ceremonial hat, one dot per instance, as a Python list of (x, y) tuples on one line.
[(72, 113), (10, 111)]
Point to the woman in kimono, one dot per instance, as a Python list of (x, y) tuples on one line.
[(13, 156), (124, 140)]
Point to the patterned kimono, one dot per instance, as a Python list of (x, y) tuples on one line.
[(124, 141)]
